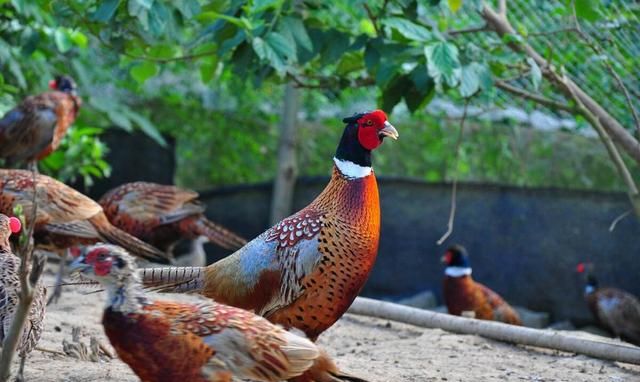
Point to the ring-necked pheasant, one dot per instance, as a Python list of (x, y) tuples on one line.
[(9, 294), (161, 215), (179, 341), (305, 271), (34, 129), (65, 217), (614, 309), (463, 294)]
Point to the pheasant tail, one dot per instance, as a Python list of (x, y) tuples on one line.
[(218, 234), (173, 280), (135, 246)]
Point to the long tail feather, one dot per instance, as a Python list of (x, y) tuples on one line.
[(132, 244), (173, 279), (219, 235)]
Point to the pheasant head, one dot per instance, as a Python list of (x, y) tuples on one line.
[(64, 84), (107, 264)]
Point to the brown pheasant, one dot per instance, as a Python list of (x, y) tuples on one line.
[(177, 341), (616, 310), (306, 270), (9, 294), (161, 215), (463, 294), (65, 217), (34, 129)]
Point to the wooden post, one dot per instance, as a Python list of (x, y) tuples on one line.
[(284, 183), (496, 330)]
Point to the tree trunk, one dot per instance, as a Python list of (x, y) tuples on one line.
[(284, 184), (496, 330)]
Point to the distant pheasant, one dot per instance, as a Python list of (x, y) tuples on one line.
[(161, 215), (463, 294), (177, 341), (615, 309), (9, 295), (34, 129), (65, 217)]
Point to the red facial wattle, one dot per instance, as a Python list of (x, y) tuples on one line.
[(53, 85), (102, 268), (369, 126), (580, 268), (14, 224)]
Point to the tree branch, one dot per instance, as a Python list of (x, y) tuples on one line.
[(455, 32), (552, 104), (454, 187), (502, 8)]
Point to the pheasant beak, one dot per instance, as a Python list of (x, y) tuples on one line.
[(389, 131), (78, 265)]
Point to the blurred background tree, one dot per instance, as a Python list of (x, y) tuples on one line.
[(211, 74)]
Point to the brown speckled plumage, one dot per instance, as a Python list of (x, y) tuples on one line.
[(161, 215), (65, 217), (176, 341), (9, 290), (35, 128)]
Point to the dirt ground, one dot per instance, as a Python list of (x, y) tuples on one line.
[(374, 349)]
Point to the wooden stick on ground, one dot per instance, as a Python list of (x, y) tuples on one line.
[(496, 330)]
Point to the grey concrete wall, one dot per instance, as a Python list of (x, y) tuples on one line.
[(524, 243)]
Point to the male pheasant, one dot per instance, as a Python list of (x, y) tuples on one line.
[(34, 129), (616, 310), (179, 341), (64, 216), (161, 215), (463, 294), (9, 294), (305, 271)]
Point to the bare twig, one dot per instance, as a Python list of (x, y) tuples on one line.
[(552, 32), (502, 8), (455, 32), (617, 220), (597, 49), (556, 105), (373, 18), (171, 59), (330, 83), (454, 187), (44, 350)]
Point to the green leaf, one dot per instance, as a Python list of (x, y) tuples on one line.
[(105, 11), (63, 42), (587, 9), (79, 38), (281, 45), (366, 27), (143, 71), (158, 18), (120, 120), (536, 73), (263, 5), (298, 31), (188, 8), (470, 79), (147, 127), (208, 69), (393, 93), (350, 62), (442, 62), (408, 29), (275, 49), (455, 5), (140, 9)]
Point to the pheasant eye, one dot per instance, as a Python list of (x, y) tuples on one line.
[(369, 122)]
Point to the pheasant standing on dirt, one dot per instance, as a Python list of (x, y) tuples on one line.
[(34, 129), (180, 341), (462, 294), (65, 217), (9, 295), (615, 309), (161, 215), (305, 271)]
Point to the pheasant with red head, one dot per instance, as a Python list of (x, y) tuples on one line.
[(177, 341), (10, 291), (64, 216), (34, 129), (305, 271), (161, 215), (462, 294), (614, 309)]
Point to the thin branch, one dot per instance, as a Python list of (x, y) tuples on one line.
[(502, 8), (329, 83), (454, 188), (373, 18), (172, 59), (617, 220), (455, 32), (597, 49), (552, 32), (552, 104)]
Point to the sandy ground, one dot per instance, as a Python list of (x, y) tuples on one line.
[(374, 349)]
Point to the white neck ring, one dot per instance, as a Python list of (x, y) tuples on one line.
[(457, 271), (351, 169)]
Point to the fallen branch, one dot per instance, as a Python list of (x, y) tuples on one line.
[(495, 330)]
